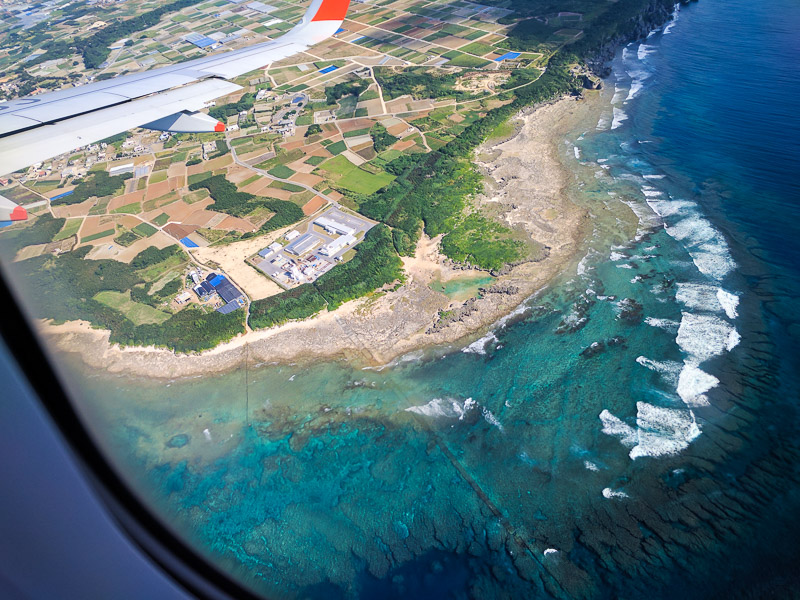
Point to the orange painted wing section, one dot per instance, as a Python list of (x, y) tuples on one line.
[(332, 10)]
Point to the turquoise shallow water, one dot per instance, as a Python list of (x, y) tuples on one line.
[(660, 461)]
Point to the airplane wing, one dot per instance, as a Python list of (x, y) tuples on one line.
[(36, 128)]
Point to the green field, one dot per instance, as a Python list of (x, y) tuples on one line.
[(138, 314), (357, 133), (289, 187), (126, 238), (97, 236), (315, 160), (471, 62), (158, 177), (158, 270), (161, 219), (70, 228), (145, 229), (338, 165), (337, 148), (354, 179), (131, 209), (478, 48), (361, 182), (197, 177), (368, 95), (504, 130), (281, 172)]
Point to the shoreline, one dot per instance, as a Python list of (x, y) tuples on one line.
[(525, 184)]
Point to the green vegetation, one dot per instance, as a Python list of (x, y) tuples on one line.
[(130, 209), (478, 48), (362, 182), (222, 112), (374, 265), (98, 235), (337, 148), (344, 88), (152, 256), (281, 172), (126, 238), (289, 187), (299, 303), (222, 149), (481, 241), (381, 139), (161, 219), (70, 228), (466, 60), (315, 160), (338, 165), (229, 200), (369, 95), (355, 133), (137, 313), (99, 184), (313, 130), (158, 177), (419, 83), (283, 157), (145, 229)]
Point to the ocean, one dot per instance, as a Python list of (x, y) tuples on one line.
[(631, 431)]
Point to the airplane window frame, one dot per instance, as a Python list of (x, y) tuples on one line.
[(195, 573)]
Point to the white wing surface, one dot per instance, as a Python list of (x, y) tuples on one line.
[(36, 128)]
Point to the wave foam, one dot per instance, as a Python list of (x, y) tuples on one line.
[(659, 431), (491, 419), (665, 324), (620, 116), (609, 493), (729, 303), (444, 407), (668, 369), (479, 346), (705, 336), (663, 431), (700, 296), (618, 428), (693, 384)]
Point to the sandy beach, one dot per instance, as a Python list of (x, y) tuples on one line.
[(525, 186)]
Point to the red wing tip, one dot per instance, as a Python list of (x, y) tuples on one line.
[(219, 127), (19, 214), (332, 10)]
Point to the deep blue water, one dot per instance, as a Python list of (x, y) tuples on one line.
[(663, 465)]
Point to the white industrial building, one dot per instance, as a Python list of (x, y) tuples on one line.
[(290, 235), (337, 244), (332, 226), (304, 244)]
